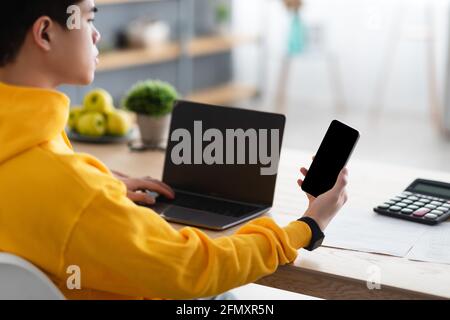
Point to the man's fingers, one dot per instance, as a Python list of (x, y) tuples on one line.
[(299, 182), (147, 183), (158, 187), (140, 197), (342, 179), (161, 183), (304, 171)]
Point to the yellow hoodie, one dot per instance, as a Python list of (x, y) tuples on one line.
[(59, 208)]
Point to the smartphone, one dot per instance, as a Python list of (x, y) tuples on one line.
[(332, 156)]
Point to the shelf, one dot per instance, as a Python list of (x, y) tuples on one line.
[(224, 94), (198, 47), (135, 57), (216, 44)]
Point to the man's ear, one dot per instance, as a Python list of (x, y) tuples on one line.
[(42, 32)]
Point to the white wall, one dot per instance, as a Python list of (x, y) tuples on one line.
[(358, 32)]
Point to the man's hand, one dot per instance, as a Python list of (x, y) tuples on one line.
[(325, 207), (136, 186)]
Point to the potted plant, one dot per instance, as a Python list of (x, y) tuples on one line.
[(222, 17), (153, 102)]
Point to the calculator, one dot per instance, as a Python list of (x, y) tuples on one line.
[(424, 201)]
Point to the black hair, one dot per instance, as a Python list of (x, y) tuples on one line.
[(18, 16)]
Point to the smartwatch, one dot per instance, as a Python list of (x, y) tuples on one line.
[(317, 234)]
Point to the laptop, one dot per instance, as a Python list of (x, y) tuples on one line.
[(222, 163)]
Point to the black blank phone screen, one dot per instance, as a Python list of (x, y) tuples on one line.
[(332, 156)]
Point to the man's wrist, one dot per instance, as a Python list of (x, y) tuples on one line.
[(317, 235)]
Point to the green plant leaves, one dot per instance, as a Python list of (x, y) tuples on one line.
[(152, 97)]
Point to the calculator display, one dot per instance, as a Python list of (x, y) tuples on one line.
[(431, 189)]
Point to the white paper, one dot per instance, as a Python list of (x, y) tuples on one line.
[(367, 231), (433, 246)]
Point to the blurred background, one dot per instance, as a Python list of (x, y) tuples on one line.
[(381, 66)]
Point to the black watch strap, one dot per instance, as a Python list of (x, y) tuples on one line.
[(317, 234)]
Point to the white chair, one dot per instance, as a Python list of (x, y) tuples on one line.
[(20, 280)]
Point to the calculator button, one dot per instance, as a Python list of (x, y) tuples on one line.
[(396, 199), (446, 205), (402, 196), (413, 198), (430, 206), (436, 203), (443, 209), (437, 212), (425, 200), (401, 204), (407, 211), (430, 216), (390, 202), (407, 201), (411, 206), (383, 206), (407, 193), (395, 208), (419, 203), (421, 212)]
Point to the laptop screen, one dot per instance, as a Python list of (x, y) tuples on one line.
[(224, 152)]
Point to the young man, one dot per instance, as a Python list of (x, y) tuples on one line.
[(59, 208)]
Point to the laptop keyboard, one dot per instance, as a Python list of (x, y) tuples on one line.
[(222, 207)]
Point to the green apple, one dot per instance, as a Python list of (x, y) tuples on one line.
[(74, 115), (92, 124), (118, 123), (98, 100)]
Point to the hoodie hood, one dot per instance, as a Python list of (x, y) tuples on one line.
[(29, 117)]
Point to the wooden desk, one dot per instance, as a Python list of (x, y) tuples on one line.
[(326, 273)]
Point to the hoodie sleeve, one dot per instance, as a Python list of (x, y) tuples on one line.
[(130, 250)]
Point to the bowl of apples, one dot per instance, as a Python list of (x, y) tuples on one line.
[(98, 121)]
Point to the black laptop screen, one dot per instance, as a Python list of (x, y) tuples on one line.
[(224, 152)]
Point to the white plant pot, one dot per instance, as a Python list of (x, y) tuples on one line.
[(154, 130), (223, 29)]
